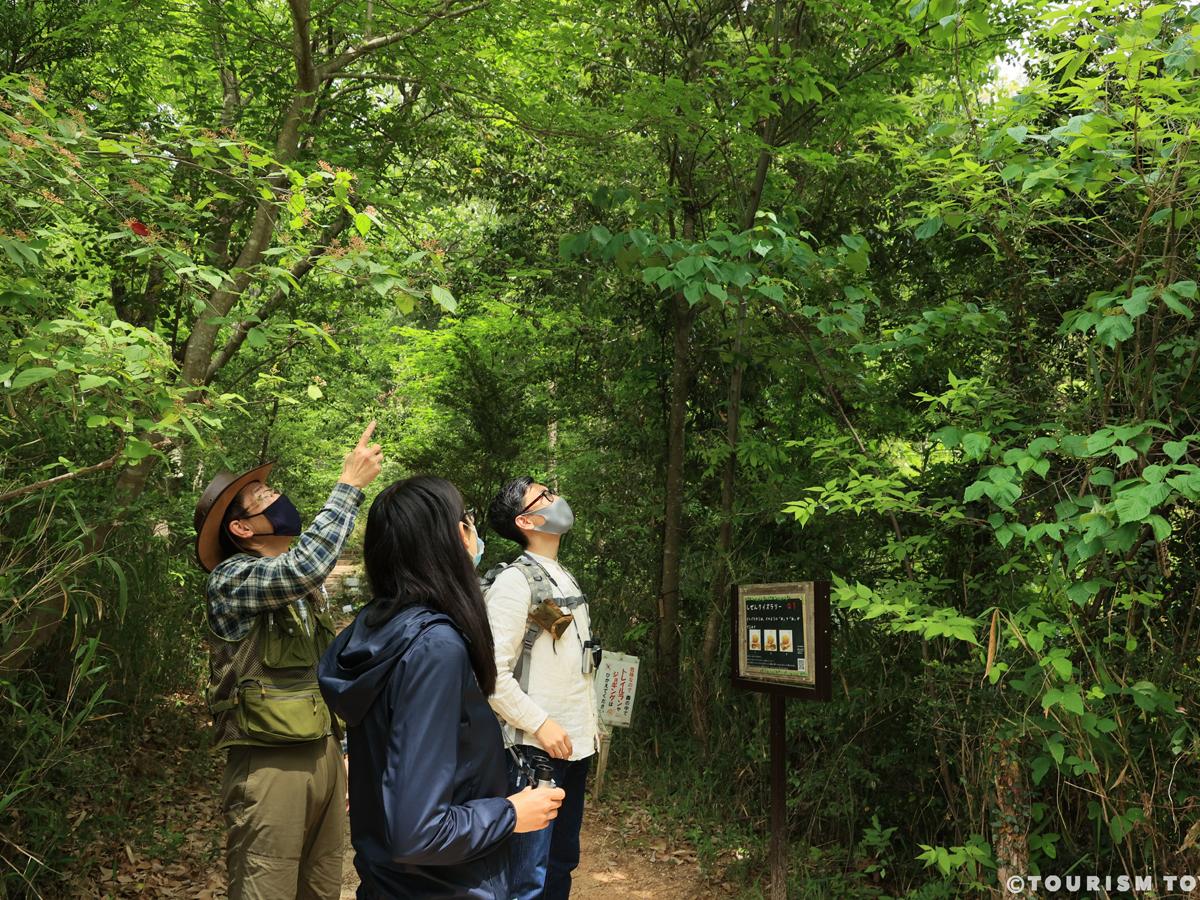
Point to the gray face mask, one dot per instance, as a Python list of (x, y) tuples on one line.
[(558, 517)]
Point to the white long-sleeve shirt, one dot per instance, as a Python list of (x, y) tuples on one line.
[(558, 689)]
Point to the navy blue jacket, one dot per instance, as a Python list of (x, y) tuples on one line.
[(428, 779)]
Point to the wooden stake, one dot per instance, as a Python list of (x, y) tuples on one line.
[(779, 840), (602, 759)]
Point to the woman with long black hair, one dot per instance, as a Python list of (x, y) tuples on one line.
[(411, 677)]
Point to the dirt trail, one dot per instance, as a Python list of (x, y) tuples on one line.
[(619, 858), (169, 843), (177, 852)]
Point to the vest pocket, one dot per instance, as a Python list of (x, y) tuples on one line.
[(286, 644), (276, 715)]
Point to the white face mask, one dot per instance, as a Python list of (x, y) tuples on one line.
[(557, 517)]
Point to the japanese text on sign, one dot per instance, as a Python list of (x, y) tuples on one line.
[(775, 633), (616, 686)]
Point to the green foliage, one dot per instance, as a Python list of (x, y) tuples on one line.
[(930, 333)]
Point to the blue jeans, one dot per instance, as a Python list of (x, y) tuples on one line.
[(540, 862)]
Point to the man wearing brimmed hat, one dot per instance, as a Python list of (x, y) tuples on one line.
[(284, 787)]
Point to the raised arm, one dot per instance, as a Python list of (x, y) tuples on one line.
[(257, 585)]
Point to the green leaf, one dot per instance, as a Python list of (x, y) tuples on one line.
[(314, 392), (1072, 701), (929, 228), (138, 449), (212, 277), (1173, 303), (443, 298), (1040, 767), (1138, 302), (1175, 449), (858, 262), (187, 423), (97, 421), (1039, 446), (362, 223), (1154, 473), (88, 382), (382, 284), (1111, 330), (976, 443), (1083, 591), (1131, 506), (1120, 826), (1056, 750), (32, 376), (1161, 527), (1124, 454), (256, 338)]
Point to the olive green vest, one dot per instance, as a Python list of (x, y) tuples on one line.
[(262, 689)]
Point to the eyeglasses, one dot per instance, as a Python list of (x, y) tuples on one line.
[(546, 494), (468, 518)]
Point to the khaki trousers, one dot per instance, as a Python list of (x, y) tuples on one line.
[(285, 808)]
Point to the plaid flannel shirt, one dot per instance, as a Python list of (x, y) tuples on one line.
[(245, 586)]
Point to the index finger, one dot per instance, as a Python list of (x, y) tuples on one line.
[(366, 435)]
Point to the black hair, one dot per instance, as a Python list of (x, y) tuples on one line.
[(414, 554), (229, 544), (506, 506)]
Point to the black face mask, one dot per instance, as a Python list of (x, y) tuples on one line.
[(283, 516)]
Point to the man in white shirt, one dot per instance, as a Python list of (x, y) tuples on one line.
[(544, 683)]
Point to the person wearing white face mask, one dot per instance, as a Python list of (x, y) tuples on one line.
[(546, 657)]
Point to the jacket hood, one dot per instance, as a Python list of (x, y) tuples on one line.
[(355, 668)]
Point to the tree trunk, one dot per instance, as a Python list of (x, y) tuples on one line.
[(201, 344), (1011, 828), (718, 599), (681, 316), (704, 676)]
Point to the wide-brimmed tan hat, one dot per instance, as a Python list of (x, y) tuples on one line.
[(221, 491)]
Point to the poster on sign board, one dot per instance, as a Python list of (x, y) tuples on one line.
[(616, 684), (781, 638)]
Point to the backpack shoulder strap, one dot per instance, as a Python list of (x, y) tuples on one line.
[(540, 590), (540, 586)]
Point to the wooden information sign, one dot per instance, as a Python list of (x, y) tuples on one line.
[(781, 647), (781, 639)]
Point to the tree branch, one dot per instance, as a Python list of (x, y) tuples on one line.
[(444, 12), (69, 476), (299, 270)]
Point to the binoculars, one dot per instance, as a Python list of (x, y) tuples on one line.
[(538, 770), (543, 775), (593, 652)]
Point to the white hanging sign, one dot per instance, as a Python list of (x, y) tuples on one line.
[(616, 684)]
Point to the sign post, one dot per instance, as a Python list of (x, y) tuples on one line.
[(780, 638), (616, 687)]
